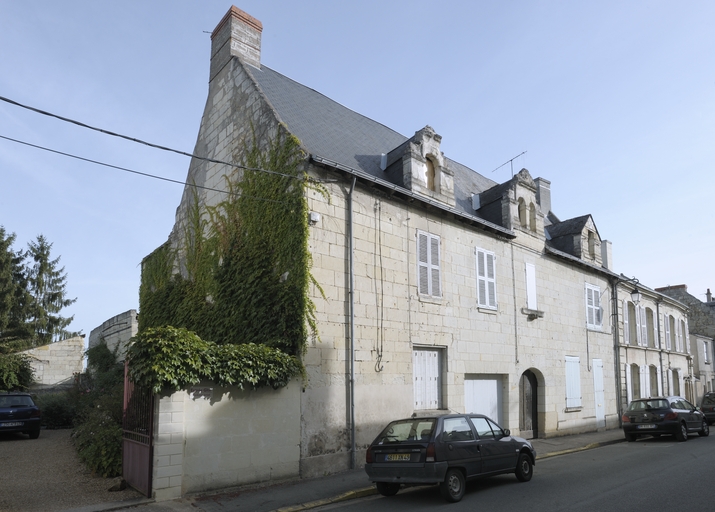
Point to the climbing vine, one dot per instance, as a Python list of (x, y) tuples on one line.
[(241, 273)]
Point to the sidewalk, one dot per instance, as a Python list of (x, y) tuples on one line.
[(299, 495)]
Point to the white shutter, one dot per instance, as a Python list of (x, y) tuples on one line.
[(420, 375), (597, 307), (486, 279), (666, 324), (687, 336), (573, 382), (491, 280), (432, 379), (626, 325), (670, 382), (639, 330), (645, 381), (590, 320), (629, 388), (423, 263), (661, 391), (428, 257), (644, 327), (531, 286)]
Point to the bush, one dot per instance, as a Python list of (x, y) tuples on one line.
[(58, 409), (99, 443), (16, 373)]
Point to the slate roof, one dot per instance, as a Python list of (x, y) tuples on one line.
[(334, 132), (568, 227)]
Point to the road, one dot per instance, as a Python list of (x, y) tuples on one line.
[(659, 474)]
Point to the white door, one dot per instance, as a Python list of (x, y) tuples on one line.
[(483, 396), (598, 392)]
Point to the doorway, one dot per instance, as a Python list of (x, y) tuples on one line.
[(528, 405)]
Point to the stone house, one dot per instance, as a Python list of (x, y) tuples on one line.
[(701, 325), (444, 290), (116, 332), (56, 364)]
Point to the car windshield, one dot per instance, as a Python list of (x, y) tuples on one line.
[(709, 400), (647, 405), (407, 430)]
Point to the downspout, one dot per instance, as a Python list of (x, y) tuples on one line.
[(352, 324), (617, 351)]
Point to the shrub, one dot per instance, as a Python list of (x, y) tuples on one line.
[(99, 443), (16, 373), (58, 409)]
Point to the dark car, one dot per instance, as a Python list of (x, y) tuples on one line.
[(663, 415), (18, 413), (445, 450), (707, 406)]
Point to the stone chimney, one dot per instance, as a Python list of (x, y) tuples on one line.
[(237, 34), (543, 194), (709, 296), (607, 254)]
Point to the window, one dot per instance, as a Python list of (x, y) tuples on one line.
[(686, 338), (593, 307), (531, 287), (626, 322), (591, 245), (428, 278), (430, 174), (676, 328), (456, 429), (706, 353), (650, 328), (426, 369), (486, 279), (522, 212), (532, 217), (573, 382), (666, 326)]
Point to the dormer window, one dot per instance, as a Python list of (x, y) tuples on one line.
[(430, 174), (522, 212), (591, 245)]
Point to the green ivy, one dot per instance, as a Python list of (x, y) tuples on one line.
[(169, 358), (241, 273)]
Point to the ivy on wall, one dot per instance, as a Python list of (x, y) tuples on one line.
[(241, 274)]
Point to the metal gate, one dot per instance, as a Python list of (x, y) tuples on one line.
[(138, 435)]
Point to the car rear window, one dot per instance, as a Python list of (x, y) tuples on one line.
[(16, 401), (646, 405), (407, 430)]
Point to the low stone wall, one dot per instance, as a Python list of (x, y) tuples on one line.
[(57, 362), (208, 437)]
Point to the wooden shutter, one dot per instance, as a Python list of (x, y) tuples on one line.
[(486, 279), (626, 325), (436, 283), (573, 382), (666, 324), (423, 263), (629, 387)]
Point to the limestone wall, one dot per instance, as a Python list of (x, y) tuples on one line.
[(57, 362), (116, 332)]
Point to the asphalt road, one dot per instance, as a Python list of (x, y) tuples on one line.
[(657, 474), (46, 475)]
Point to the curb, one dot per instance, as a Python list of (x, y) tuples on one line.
[(579, 449), (350, 495)]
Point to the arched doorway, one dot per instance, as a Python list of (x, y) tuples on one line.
[(528, 405)]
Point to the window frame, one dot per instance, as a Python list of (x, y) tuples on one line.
[(573, 382), (484, 297), (429, 266), (596, 308)]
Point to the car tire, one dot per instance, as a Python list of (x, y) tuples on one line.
[(34, 434), (630, 437), (682, 433), (387, 488), (705, 431), (453, 487), (524, 468)]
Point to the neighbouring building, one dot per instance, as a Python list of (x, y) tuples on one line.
[(116, 332), (701, 324), (443, 289), (56, 364)]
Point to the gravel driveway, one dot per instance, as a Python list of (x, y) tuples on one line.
[(45, 474)]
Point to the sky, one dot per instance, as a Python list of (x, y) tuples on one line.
[(613, 102)]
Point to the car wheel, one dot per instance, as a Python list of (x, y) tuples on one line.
[(387, 488), (705, 431), (452, 488), (630, 437), (682, 433), (34, 434), (524, 468)]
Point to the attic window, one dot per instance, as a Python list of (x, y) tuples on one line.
[(430, 174), (591, 245)]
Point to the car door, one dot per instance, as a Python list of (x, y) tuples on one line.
[(694, 416), (460, 445), (498, 450)]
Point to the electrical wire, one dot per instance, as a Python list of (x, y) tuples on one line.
[(97, 162), (139, 141)]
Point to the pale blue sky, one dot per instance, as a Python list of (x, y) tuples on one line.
[(614, 103)]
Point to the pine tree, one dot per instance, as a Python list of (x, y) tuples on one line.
[(15, 299), (47, 283)]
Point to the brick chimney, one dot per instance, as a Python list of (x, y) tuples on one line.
[(237, 34)]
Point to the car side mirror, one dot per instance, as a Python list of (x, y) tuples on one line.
[(507, 432)]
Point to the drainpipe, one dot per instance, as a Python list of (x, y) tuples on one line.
[(352, 324), (617, 350)]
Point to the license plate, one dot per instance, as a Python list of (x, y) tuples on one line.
[(397, 457), (643, 427), (12, 424)]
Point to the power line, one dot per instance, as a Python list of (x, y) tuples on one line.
[(97, 162), (139, 141)]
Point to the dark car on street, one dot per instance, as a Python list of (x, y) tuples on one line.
[(707, 406), (18, 413), (663, 415), (446, 450)]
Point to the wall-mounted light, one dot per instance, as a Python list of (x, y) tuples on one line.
[(635, 296), (313, 218)]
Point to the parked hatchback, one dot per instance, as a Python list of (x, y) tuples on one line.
[(18, 413), (445, 450), (663, 415), (707, 406)]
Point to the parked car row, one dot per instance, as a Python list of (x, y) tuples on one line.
[(672, 415), (446, 450), (19, 413)]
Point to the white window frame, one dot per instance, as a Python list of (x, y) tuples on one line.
[(427, 378), (593, 310), (429, 275), (486, 283), (573, 382)]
